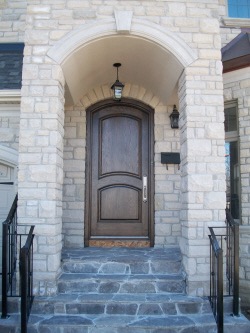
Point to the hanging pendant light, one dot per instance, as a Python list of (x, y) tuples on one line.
[(117, 87)]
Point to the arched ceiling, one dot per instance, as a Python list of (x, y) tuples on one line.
[(144, 63)]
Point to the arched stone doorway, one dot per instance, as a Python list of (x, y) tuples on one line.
[(154, 62)]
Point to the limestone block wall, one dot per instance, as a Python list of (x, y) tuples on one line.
[(237, 88), (74, 176), (41, 173), (12, 20), (203, 169)]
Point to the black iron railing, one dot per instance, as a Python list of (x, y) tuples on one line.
[(26, 274), (15, 242), (232, 260), (216, 280), (224, 269), (9, 256)]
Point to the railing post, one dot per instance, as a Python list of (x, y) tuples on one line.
[(24, 283), (220, 305), (236, 271), (5, 247), (26, 274)]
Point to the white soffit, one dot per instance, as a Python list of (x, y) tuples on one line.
[(143, 63), (151, 57)]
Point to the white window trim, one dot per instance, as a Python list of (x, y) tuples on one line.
[(8, 156), (236, 22), (10, 95)]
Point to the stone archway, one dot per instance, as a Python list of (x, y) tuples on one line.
[(78, 60), (151, 56)]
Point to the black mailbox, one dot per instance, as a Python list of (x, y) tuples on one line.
[(170, 158)]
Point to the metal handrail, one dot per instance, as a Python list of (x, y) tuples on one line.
[(26, 275), (229, 235), (9, 254), (216, 280), (11, 245), (232, 260)]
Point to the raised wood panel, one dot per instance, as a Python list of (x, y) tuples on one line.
[(120, 145), (114, 199)]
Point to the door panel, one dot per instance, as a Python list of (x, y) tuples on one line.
[(113, 199), (119, 155), (120, 138)]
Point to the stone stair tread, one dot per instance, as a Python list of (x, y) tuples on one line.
[(121, 304), (94, 297), (119, 277), (171, 253), (128, 324)]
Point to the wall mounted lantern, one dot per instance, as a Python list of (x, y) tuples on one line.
[(174, 118), (117, 87)]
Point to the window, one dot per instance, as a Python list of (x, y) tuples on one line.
[(232, 160), (239, 8)]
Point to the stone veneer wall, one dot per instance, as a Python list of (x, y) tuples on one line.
[(167, 181), (41, 149), (42, 129), (237, 88), (12, 20)]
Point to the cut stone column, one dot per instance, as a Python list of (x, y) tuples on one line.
[(203, 197), (40, 175)]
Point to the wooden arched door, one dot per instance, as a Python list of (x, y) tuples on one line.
[(119, 189)]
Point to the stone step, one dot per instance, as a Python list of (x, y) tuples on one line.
[(121, 291), (191, 323), (115, 324), (91, 283), (121, 304), (123, 261)]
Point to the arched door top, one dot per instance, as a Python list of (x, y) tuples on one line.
[(151, 56), (106, 28)]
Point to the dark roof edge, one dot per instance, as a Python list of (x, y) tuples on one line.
[(235, 64), (11, 47)]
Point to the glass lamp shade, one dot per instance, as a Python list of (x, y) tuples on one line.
[(117, 88), (174, 118)]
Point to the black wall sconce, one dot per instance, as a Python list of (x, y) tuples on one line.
[(117, 87), (174, 118)]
